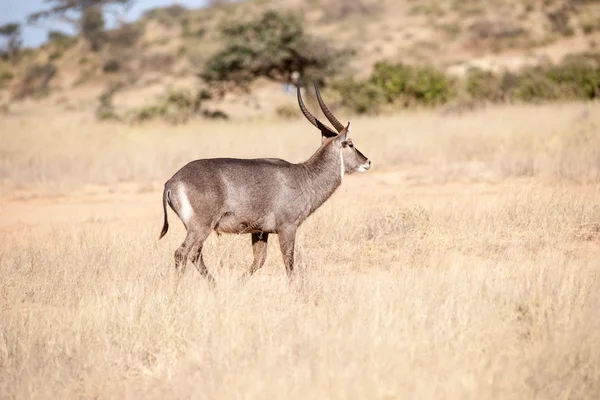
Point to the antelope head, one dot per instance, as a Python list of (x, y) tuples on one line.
[(352, 158)]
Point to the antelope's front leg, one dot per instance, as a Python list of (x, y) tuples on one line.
[(287, 240)]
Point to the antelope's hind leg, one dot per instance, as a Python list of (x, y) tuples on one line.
[(259, 249), (182, 253), (196, 257)]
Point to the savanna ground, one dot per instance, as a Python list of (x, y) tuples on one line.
[(465, 264)]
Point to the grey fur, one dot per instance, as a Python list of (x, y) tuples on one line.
[(256, 196)]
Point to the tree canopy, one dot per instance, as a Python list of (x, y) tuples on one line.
[(274, 46), (12, 35), (87, 16)]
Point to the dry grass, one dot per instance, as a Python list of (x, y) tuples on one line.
[(555, 142), (465, 267)]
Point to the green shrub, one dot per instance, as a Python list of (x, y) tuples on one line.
[(287, 111), (127, 35), (391, 79), (36, 81), (560, 21), (361, 97), (215, 114), (484, 85), (421, 85), (157, 61), (176, 107), (61, 42), (590, 26), (534, 86), (578, 75), (451, 29), (112, 65), (147, 113), (430, 86), (6, 75), (169, 15), (576, 81), (105, 110)]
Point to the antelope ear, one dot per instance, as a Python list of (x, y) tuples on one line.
[(344, 134)]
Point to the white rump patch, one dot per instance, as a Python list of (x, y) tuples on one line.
[(185, 207)]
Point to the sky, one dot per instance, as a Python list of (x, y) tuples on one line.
[(18, 10)]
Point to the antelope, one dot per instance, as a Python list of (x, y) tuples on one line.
[(258, 196)]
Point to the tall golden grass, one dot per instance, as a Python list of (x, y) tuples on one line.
[(465, 264)]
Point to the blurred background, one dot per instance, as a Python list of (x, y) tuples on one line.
[(132, 61)]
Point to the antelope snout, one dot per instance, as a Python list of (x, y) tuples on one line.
[(365, 167)]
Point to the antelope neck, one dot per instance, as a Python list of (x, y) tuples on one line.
[(322, 174)]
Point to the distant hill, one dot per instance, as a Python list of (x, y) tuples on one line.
[(169, 46)]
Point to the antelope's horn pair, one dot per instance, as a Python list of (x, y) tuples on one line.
[(330, 117)]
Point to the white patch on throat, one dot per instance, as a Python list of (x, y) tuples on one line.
[(342, 163), (185, 209)]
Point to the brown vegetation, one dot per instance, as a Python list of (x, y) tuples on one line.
[(463, 265)]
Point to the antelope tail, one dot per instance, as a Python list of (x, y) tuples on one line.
[(166, 198)]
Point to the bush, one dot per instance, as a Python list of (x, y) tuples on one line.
[(272, 46), (578, 75), (157, 61), (6, 75), (560, 21), (59, 43), (361, 97), (106, 110), (423, 85), (589, 24), (396, 84), (147, 113), (61, 40), (36, 80), (168, 15), (287, 111), (177, 107), (111, 65), (125, 36), (340, 9), (484, 85), (534, 86)]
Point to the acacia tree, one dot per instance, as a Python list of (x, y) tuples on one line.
[(86, 16), (12, 34), (274, 46)]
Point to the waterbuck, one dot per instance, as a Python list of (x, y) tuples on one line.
[(258, 196)]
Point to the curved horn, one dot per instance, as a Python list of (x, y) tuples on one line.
[(337, 124), (305, 111), (327, 131)]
